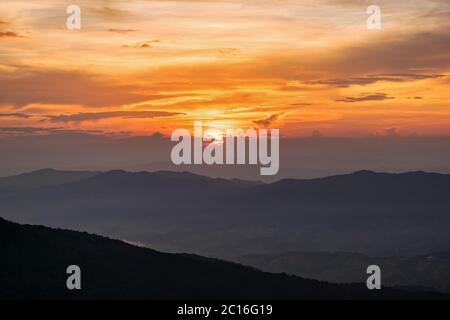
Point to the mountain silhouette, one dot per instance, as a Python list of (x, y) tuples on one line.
[(377, 214), (427, 272), (35, 259), (42, 178)]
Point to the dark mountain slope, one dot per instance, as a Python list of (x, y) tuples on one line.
[(34, 260), (429, 271)]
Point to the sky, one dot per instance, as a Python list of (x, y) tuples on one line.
[(343, 96), (306, 67)]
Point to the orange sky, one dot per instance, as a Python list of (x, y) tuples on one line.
[(139, 67)]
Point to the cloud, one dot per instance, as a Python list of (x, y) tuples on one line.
[(66, 88), (396, 53), (111, 14), (416, 98), (391, 132), (230, 51), (301, 104), (316, 134), (15, 115), (4, 23), (38, 130), (267, 121), (390, 57), (93, 116), (143, 44), (10, 34), (411, 76), (370, 97), (387, 57), (121, 31), (21, 129), (370, 79)]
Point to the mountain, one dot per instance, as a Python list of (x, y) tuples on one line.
[(377, 214), (34, 260), (42, 178), (429, 272)]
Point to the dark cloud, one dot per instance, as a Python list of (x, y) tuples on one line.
[(53, 130), (29, 130), (121, 30), (92, 116), (392, 132), (293, 88), (73, 131), (157, 134), (394, 77), (10, 34), (301, 104), (15, 115), (396, 53), (389, 57), (267, 121), (143, 44), (415, 98), (411, 76), (370, 97), (316, 134)]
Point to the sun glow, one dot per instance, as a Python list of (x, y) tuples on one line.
[(141, 67)]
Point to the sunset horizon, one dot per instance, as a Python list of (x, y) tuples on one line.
[(224, 159), (141, 67)]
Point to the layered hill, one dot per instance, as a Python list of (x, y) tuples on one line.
[(34, 261)]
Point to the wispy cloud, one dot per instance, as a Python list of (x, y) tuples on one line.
[(218, 56), (266, 122), (370, 79), (370, 97), (93, 116), (142, 45), (38, 130), (15, 115), (10, 34), (65, 88), (121, 31)]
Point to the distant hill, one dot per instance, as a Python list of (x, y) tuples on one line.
[(377, 214), (428, 272), (42, 178), (34, 260)]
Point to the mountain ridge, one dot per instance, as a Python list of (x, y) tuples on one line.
[(367, 212), (46, 171), (35, 259)]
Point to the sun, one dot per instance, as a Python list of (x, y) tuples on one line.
[(214, 135)]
